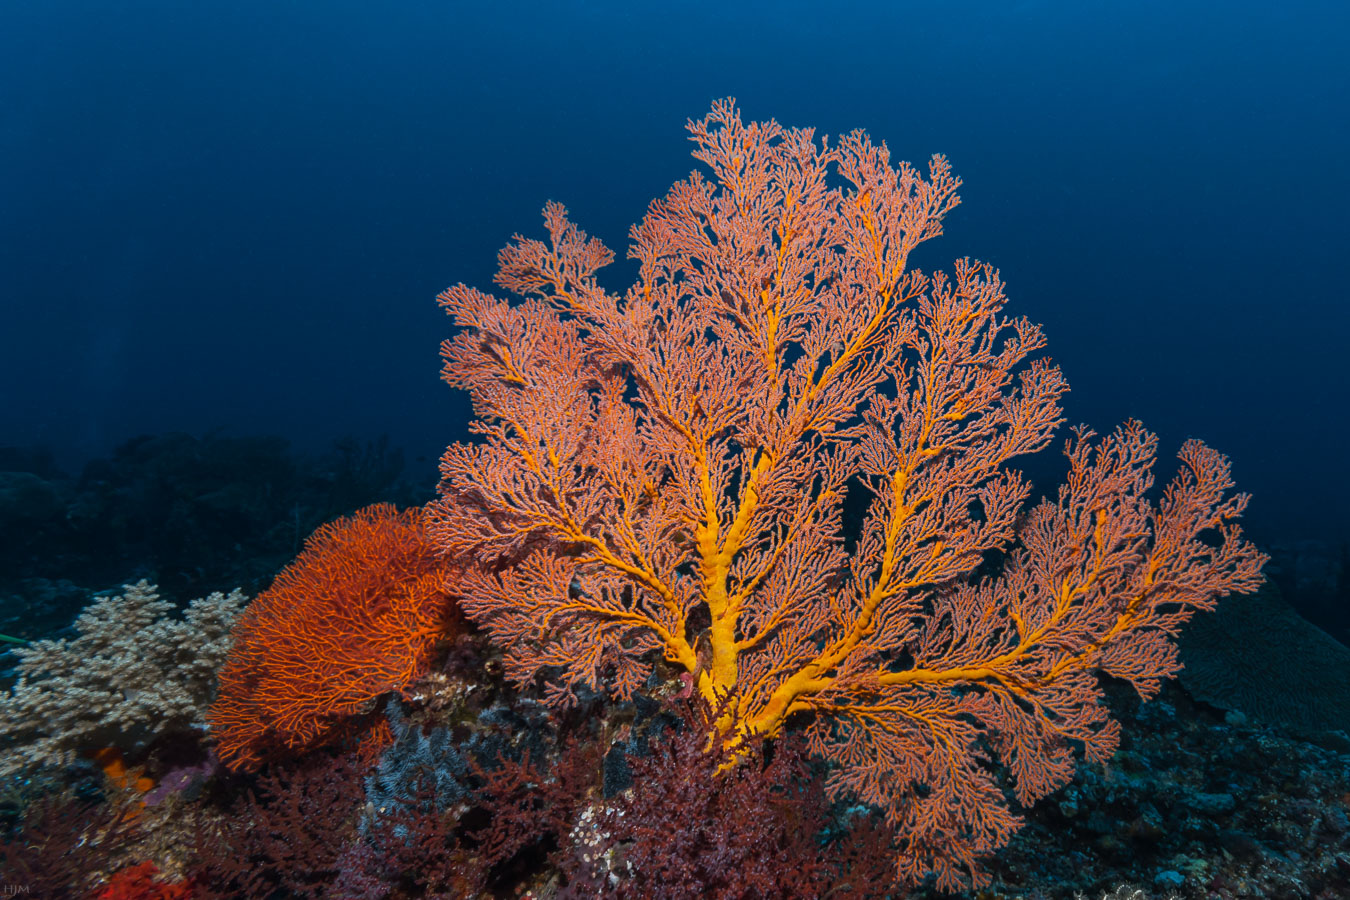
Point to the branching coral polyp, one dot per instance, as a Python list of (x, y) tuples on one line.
[(358, 614)]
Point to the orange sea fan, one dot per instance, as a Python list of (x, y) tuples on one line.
[(356, 615), (670, 473)]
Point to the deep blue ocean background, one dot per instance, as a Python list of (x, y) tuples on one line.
[(237, 215)]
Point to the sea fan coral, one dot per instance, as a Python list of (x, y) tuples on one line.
[(663, 474), (356, 615)]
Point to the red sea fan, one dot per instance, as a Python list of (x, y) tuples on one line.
[(356, 615)]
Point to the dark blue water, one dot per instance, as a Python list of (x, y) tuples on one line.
[(238, 214)]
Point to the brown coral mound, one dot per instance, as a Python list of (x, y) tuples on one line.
[(356, 615)]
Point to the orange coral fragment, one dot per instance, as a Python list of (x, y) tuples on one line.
[(110, 760), (358, 614)]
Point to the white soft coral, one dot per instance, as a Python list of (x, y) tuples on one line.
[(133, 671)]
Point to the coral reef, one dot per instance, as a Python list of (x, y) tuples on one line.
[(1190, 806), (697, 674), (133, 671)]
